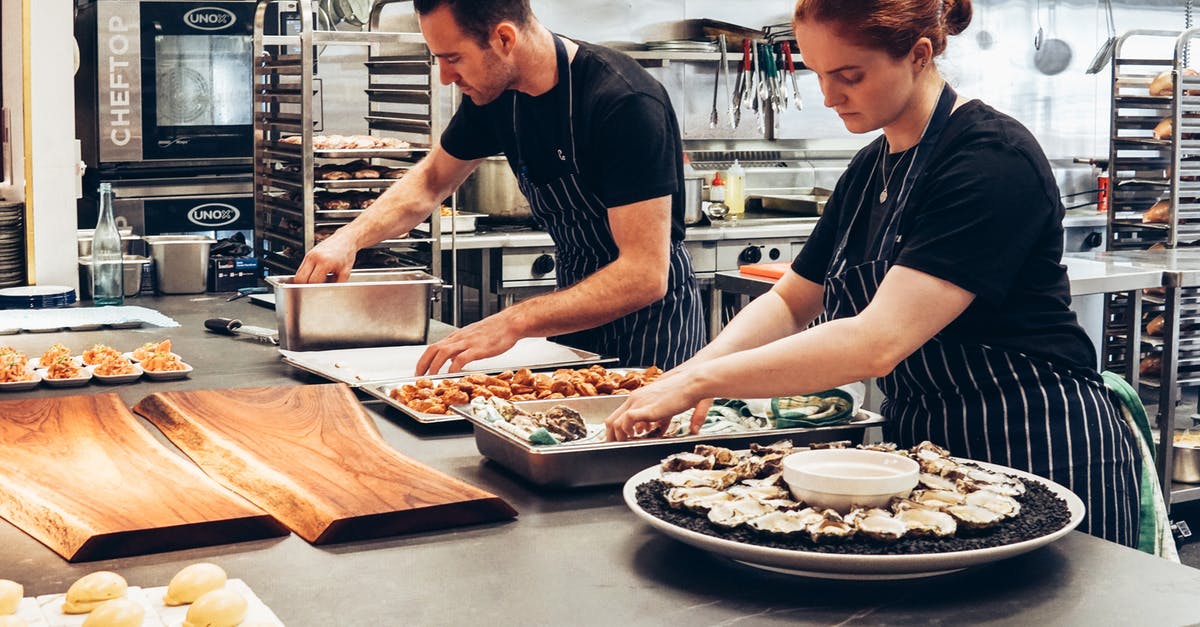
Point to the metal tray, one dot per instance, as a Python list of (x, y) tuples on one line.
[(357, 367), (604, 463)]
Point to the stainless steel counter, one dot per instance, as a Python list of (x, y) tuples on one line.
[(753, 228), (577, 557)]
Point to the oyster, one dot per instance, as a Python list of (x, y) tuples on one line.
[(830, 527), (782, 446), (761, 492), (937, 499), (721, 456), (773, 479), (780, 522), (683, 461), (834, 444), (696, 478), (699, 499), (1006, 506), (974, 516), (748, 468), (922, 521), (936, 482), (737, 511), (883, 447), (1013, 488), (564, 422), (878, 524)]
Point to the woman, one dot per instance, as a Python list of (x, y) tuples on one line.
[(937, 264)]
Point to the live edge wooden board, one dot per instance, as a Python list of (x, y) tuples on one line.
[(312, 457), (83, 476)]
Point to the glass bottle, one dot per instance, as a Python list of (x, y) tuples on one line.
[(108, 284)]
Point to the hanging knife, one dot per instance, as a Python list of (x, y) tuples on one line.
[(791, 69)]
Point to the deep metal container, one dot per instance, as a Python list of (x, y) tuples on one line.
[(1186, 464), (131, 271), (492, 190), (180, 262), (387, 308)]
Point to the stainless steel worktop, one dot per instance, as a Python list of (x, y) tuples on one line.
[(749, 229), (572, 557)]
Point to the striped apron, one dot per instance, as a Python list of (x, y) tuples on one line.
[(992, 404), (665, 333)]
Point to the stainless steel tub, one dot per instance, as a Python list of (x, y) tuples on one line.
[(387, 308), (602, 463)]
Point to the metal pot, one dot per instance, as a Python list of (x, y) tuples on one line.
[(693, 201), (492, 190)]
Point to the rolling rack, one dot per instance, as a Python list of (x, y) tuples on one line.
[(1142, 171), (292, 208)]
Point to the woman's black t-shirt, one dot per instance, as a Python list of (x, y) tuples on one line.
[(627, 140), (985, 216)]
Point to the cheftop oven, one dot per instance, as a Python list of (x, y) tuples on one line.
[(165, 82), (218, 206)]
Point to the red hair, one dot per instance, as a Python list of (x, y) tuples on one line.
[(892, 26)]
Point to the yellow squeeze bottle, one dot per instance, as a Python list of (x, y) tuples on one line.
[(735, 190)]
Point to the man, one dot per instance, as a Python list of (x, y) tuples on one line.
[(596, 149)]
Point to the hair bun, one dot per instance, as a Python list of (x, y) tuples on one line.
[(956, 15)]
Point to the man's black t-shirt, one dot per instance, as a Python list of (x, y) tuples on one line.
[(985, 216), (627, 141)]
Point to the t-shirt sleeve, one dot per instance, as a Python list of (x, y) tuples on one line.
[(469, 136), (812, 262), (636, 157), (980, 217)]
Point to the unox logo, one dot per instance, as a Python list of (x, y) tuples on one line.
[(209, 18), (213, 214)]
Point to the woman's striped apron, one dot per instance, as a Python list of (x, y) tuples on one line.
[(665, 333), (992, 404)]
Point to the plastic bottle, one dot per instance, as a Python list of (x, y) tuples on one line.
[(108, 284), (735, 190), (716, 209)]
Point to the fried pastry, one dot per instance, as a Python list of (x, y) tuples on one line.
[(218, 608), (193, 581), (89, 591), (116, 613), (10, 596)]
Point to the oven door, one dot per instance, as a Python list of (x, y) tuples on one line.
[(196, 96)]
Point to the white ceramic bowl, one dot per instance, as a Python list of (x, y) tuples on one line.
[(840, 479)]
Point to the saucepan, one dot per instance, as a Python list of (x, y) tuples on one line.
[(492, 190)]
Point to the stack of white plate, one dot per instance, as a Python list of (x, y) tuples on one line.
[(12, 244), (36, 296)]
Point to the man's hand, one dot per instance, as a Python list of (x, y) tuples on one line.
[(331, 259), (486, 338)]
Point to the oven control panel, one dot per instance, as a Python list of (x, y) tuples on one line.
[(524, 267), (734, 253)]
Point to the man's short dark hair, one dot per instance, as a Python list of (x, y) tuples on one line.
[(477, 18)]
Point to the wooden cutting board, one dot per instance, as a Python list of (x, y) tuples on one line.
[(312, 457), (85, 477), (768, 270)]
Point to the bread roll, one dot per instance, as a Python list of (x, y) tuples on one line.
[(1155, 326), (1163, 85), (1159, 213), (366, 173), (10, 596), (218, 608), (188, 584), (1163, 130), (1151, 366), (116, 613), (336, 175), (91, 590)]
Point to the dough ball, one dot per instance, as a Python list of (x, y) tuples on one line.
[(93, 589), (12, 621), (10, 596), (219, 608), (116, 613), (191, 582)]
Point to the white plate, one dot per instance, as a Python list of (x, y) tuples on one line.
[(117, 378), (17, 386), (846, 566), (36, 290), (136, 360), (82, 379), (36, 362), (168, 375)]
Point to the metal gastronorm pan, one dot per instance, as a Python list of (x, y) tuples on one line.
[(603, 463)]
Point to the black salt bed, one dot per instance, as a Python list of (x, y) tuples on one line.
[(1042, 513)]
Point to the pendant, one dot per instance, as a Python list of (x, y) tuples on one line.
[(883, 197)]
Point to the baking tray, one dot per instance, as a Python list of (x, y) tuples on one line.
[(382, 391), (357, 367), (603, 463), (463, 222)]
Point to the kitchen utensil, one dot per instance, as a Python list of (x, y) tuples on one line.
[(1104, 54), (492, 190), (371, 309), (64, 462), (740, 86), (1186, 464), (714, 117), (693, 202), (791, 68), (229, 326), (312, 457), (725, 69), (1051, 55)]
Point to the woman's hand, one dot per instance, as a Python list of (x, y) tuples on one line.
[(649, 410)]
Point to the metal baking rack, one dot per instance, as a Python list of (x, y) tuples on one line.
[(294, 209)]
